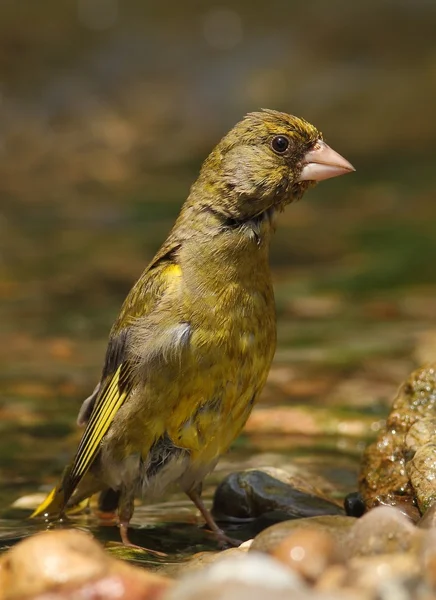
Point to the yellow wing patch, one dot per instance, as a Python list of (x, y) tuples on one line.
[(114, 393), (108, 404)]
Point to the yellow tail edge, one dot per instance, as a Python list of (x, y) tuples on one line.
[(52, 505)]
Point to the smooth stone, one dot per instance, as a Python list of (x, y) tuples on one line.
[(389, 576), (231, 590), (406, 505), (308, 552), (422, 472), (254, 576), (382, 530), (67, 561), (385, 467), (251, 493), (420, 433), (427, 557), (332, 579), (428, 519), (335, 525), (201, 560)]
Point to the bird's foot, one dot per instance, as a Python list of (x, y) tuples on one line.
[(224, 541), (126, 542)]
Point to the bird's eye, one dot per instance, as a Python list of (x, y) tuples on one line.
[(280, 144)]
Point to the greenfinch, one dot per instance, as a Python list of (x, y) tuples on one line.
[(190, 351)]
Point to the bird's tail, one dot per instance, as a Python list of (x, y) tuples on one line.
[(52, 506), (62, 501)]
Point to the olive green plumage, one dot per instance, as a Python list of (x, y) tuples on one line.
[(191, 349)]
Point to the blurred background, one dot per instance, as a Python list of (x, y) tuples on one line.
[(108, 108)]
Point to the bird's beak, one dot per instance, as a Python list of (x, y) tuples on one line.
[(323, 163)]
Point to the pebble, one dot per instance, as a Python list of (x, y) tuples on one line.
[(427, 557), (428, 520), (70, 563), (381, 531), (422, 472), (200, 560), (399, 468), (252, 577), (335, 525), (387, 575), (308, 552)]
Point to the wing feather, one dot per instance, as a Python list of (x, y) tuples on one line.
[(108, 403), (118, 378)]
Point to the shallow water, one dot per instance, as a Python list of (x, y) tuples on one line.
[(103, 128)]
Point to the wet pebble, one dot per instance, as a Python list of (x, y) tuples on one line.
[(427, 557), (252, 577), (428, 519), (381, 531), (399, 468), (201, 560), (308, 552), (334, 525), (71, 564), (422, 473), (388, 576), (420, 433)]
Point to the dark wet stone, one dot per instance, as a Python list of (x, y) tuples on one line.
[(354, 505), (252, 493), (335, 525)]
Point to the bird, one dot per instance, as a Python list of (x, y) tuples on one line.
[(190, 351)]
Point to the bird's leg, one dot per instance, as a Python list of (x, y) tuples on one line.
[(125, 513), (223, 539)]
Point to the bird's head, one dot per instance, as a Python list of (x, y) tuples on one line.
[(268, 160)]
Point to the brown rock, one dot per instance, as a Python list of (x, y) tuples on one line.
[(71, 563), (309, 552), (385, 476), (200, 560), (428, 520), (422, 472), (427, 557), (388, 576), (252, 576), (332, 578), (382, 530), (335, 525)]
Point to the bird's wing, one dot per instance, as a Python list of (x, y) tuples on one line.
[(117, 378), (114, 392)]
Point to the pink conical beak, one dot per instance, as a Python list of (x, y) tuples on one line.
[(323, 163)]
